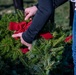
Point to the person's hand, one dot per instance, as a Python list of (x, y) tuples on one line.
[(29, 12), (22, 41)]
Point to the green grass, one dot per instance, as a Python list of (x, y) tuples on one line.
[(62, 15)]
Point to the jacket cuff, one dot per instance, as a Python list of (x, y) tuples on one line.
[(26, 38)]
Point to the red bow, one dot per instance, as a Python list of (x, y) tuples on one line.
[(19, 27)]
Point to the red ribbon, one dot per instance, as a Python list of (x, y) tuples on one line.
[(47, 35), (24, 50), (68, 39), (22, 27), (19, 27)]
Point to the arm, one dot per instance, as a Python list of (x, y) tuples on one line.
[(45, 8)]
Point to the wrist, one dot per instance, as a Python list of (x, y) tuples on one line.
[(26, 38)]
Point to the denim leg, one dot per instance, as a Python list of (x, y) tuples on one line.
[(74, 43)]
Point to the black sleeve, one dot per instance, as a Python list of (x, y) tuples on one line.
[(45, 8), (18, 4), (57, 3)]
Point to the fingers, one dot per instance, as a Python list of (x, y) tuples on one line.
[(16, 35), (30, 47), (29, 12), (28, 16), (22, 41), (26, 11)]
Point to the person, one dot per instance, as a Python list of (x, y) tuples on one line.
[(74, 38), (41, 12)]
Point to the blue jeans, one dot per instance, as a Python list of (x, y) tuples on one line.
[(74, 42)]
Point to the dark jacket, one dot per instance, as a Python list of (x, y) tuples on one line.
[(45, 8)]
